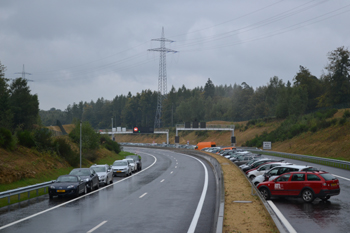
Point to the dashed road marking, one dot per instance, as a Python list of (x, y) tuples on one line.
[(162, 181), (143, 195), (171, 172), (93, 229)]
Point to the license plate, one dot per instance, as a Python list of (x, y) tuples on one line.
[(333, 184), (61, 191), (119, 171)]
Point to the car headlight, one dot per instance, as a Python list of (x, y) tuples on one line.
[(70, 186), (87, 179), (125, 169), (52, 187)]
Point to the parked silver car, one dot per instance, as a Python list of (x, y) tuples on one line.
[(104, 172), (132, 164), (121, 168)]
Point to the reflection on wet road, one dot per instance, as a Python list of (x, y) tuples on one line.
[(319, 216), (162, 197)]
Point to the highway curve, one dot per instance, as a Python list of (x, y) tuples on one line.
[(171, 194)]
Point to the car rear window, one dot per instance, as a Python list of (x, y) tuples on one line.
[(328, 176), (312, 177)]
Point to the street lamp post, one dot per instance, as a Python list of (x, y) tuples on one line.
[(80, 142)]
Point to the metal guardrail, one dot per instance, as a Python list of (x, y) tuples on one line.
[(26, 189), (307, 158)]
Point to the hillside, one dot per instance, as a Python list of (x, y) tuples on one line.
[(332, 142)]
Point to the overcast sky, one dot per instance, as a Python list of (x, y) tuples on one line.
[(83, 50)]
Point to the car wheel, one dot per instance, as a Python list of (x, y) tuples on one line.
[(85, 190), (51, 196), (265, 193), (256, 183), (251, 177), (307, 196), (111, 182), (325, 198), (98, 185)]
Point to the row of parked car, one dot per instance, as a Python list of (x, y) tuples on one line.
[(82, 180), (277, 178)]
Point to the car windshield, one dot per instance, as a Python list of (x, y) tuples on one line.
[(99, 169), (67, 179), (327, 176), (80, 172), (120, 163)]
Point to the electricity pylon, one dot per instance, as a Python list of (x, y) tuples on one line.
[(23, 73), (162, 78)]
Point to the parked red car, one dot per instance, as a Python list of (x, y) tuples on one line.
[(305, 184)]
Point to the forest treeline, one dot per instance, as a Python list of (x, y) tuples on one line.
[(306, 93), (20, 124)]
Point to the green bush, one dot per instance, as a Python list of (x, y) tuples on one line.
[(109, 144), (7, 141), (342, 121), (313, 128), (346, 114), (26, 138), (90, 155), (90, 139), (65, 151), (43, 139)]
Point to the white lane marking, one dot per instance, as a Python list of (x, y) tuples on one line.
[(55, 207), (171, 172), (93, 229), (282, 218), (342, 177), (143, 195), (162, 181), (194, 222)]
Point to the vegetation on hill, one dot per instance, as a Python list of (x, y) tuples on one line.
[(232, 102), (294, 126)]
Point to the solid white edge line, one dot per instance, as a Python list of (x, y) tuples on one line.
[(281, 217), (342, 177), (194, 222), (143, 195), (65, 203), (93, 229)]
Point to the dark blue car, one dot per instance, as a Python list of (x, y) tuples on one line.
[(68, 185)]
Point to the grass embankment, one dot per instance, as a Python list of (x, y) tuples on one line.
[(39, 168), (331, 142), (242, 217)]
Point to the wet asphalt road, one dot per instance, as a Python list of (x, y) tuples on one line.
[(163, 197), (319, 216)]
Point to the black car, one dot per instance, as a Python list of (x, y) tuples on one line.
[(67, 185), (138, 161), (89, 176)]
